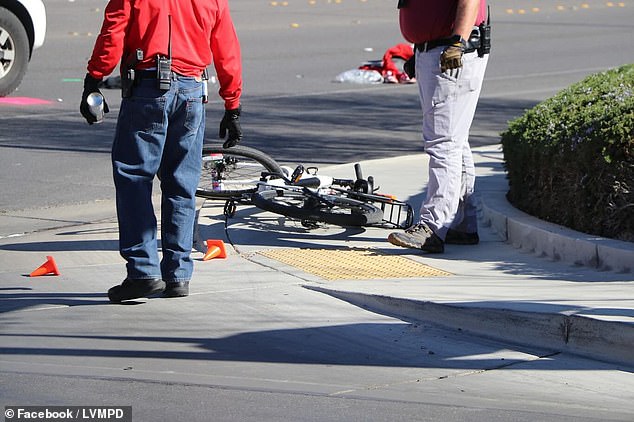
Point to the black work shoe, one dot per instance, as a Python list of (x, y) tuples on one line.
[(176, 289), (135, 288), (418, 236), (455, 237)]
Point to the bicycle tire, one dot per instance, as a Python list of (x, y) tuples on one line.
[(232, 172), (295, 203)]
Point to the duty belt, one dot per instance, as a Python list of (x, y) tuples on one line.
[(151, 74), (146, 74), (472, 43)]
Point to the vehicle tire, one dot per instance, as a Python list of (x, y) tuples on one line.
[(15, 52), (298, 204), (232, 172)]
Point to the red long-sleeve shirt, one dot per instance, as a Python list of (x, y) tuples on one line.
[(202, 31)]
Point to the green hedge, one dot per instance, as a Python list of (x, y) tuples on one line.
[(570, 159)]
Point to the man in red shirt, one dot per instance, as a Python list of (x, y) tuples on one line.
[(451, 53), (163, 48)]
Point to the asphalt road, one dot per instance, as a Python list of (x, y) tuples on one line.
[(292, 108)]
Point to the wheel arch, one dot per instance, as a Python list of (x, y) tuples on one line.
[(21, 12)]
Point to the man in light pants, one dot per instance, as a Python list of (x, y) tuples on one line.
[(451, 54)]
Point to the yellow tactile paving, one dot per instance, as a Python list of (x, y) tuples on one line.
[(352, 264)]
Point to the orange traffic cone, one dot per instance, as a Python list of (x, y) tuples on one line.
[(215, 249), (46, 268)]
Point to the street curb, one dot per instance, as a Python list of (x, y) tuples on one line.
[(556, 242), (597, 339)]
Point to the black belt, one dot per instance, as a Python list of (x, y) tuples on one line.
[(430, 45), (145, 74), (151, 74), (472, 43)]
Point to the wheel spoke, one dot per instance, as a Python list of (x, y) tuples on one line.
[(4, 36), (233, 172), (8, 55)]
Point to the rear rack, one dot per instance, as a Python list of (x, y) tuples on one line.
[(396, 213)]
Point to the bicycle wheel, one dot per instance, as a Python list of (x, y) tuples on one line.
[(308, 206), (232, 172)]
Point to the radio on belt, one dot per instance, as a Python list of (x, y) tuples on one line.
[(164, 64)]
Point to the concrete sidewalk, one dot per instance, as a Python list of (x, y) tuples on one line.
[(527, 282)]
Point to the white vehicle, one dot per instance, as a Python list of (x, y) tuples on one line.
[(22, 30)]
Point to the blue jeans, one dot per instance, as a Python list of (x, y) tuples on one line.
[(159, 133)]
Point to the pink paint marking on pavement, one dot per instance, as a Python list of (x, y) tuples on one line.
[(23, 101)]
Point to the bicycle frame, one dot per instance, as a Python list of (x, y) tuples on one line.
[(229, 177)]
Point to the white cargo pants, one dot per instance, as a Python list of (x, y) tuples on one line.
[(448, 105)]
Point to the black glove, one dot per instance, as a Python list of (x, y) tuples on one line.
[(90, 85), (231, 122)]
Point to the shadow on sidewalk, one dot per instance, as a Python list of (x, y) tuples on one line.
[(63, 246), (253, 229), (360, 344), (19, 298)]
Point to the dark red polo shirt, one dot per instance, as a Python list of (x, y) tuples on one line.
[(426, 20)]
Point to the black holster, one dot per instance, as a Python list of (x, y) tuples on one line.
[(485, 39), (128, 74), (127, 82)]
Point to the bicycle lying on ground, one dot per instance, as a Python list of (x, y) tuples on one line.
[(244, 175)]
